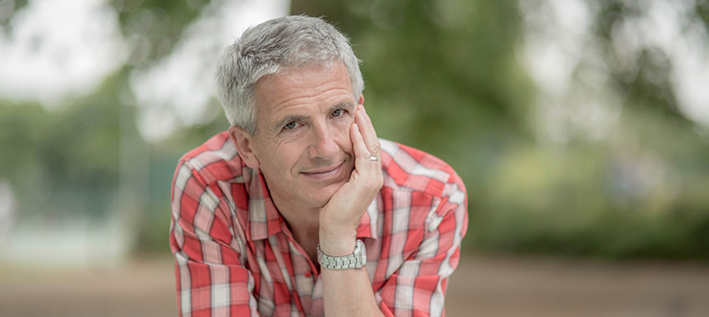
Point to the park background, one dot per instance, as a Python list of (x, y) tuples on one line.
[(580, 127)]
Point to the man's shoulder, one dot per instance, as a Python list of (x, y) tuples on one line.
[(410, 169), (214, 160)]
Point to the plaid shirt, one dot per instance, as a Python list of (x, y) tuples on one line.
[(236, 256)]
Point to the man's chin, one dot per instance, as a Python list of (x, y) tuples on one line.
[(326, 194)]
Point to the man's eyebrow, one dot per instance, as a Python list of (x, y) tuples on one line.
[(343, 105)]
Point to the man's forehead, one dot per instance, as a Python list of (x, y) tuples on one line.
[(296, 72), (282, 92)]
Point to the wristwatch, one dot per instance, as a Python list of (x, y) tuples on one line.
[(355, 260)]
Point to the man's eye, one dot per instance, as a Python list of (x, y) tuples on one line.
[(337, 113), (290, 126)]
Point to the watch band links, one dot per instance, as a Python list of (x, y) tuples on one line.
[(357, 259)]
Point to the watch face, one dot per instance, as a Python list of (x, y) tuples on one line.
[(360, 252)]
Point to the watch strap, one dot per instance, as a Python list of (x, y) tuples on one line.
[(357, 259)]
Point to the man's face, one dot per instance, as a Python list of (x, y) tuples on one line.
[(303, 142)]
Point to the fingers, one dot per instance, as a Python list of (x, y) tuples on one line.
[(362, 154), (367, 130), (350, 202), (372, 132), (367, 149)]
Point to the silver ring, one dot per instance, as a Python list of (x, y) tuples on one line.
[(373, 158)]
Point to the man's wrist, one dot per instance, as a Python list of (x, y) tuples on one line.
[(355, 260), (338, 244)]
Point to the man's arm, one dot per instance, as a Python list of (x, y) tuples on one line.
[(349, 292), (417, 288), (209, 274)]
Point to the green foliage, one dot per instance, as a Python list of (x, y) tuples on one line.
[(7, 10), (641, 197), (443, 76), (152, 231), (154, 26), (646, 77), (63, 154)]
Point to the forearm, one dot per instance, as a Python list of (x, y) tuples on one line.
[(348, 293)]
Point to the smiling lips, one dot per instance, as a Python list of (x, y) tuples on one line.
[(325, 173)]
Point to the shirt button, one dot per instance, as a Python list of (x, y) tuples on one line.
[(308, 274)]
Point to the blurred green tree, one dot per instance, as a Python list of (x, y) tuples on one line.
[(445, 76), (440, 75), (63, 154)]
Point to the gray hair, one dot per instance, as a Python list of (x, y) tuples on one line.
[(273, 47)]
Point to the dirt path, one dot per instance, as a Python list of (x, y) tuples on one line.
[(482, 286), (552, 287)]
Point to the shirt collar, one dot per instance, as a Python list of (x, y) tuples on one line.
[(264, 219)]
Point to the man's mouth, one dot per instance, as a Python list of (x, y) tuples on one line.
[(325, 172)]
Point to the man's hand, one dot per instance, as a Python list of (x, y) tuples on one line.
[(340, 217)]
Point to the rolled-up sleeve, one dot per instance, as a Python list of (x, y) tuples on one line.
[(210, 277), (418, 287)]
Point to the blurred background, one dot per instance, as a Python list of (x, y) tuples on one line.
[(580, 128)]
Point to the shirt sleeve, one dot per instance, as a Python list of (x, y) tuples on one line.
[(210, 277), (418, 287)]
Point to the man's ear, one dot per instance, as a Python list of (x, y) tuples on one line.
[(244, 147), (361, 100)]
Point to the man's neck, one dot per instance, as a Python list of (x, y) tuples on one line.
[(302, 222)]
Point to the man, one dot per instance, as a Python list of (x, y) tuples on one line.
[(299, 209)]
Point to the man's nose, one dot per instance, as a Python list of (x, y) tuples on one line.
[(323, 144)]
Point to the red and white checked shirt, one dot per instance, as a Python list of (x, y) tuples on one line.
[(235, 255)]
